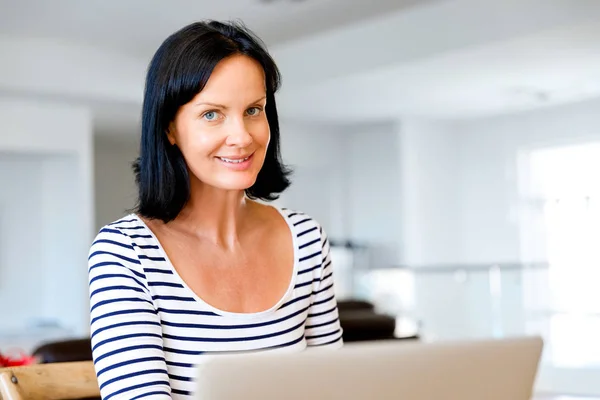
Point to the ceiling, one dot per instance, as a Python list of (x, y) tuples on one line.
[(539, 70), (139, 26), (343, 61)]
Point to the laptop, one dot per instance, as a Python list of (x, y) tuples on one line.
[(492, 369)]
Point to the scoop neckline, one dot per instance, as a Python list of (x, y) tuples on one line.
[(224, 313)]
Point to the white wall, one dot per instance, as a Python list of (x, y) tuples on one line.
[(491, 149), (115, 188), (347, 178), (430, 185), (47, 214), (460, 180), (372, 177), (20, 213), (315, 154), (53, 67)]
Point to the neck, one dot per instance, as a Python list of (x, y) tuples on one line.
[(215, 214)]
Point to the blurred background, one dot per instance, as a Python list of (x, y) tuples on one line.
[(450, 148)]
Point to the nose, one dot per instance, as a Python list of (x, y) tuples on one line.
[(238, 134)]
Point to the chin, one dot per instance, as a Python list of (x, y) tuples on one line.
[(235, 184)]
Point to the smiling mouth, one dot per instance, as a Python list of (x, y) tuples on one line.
[(234, 160)]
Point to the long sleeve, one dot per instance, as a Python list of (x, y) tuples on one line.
[(127, 344), (323, 323)]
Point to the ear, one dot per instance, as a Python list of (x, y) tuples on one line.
[(171, 133)]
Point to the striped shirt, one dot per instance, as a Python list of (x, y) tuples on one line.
[(148, 328)]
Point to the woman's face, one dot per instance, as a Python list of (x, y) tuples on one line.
[(223, 133)]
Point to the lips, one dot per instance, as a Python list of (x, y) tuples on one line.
[(238, 162), (234, 160)]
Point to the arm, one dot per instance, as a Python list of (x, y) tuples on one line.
[(323, 324), (125, 328)]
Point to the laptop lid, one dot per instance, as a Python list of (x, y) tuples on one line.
[(462, 370)]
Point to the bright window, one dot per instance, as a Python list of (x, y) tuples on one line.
[(562, 225)]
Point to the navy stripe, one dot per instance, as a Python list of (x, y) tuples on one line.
[(146, 246), (108, 253), (310, 256), (188, 312), (181, 392), (121, 287), (107, 276), (299, 285), (123, 337), (235, 339), (331, 342), (302, 221), (333, 321), (157, 392), (132, 228), (309, 270), (129, 362), (264, 349), (180, 378), (316, 303), (291, 343), (116, 264), (144, 257), (123, 299), (141, 237), (324, 289), (322, 313), (108, 230), (141, 385), (108, 241), (174, 298), (309, 243), (121, 221), (307, 231), (158, 271), (122, 324), (179, 364), (133, 374), (123, 312), (329, 275), (179, 351), (295, 300), (323, 335), (166, 284), (126, 349)]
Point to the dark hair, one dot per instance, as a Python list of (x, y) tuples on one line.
[(177, 73)]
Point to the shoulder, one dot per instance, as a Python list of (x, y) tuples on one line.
[(121, 229), (309, 236), (303, 224), (114, 245), (300, 223), (306, 231)]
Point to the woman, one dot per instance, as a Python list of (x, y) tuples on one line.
[(202, 266)]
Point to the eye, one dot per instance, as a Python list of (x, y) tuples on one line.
[(210, 116), (253, 111)]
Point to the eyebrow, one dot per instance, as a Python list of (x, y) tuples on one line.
[(205, 103)]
